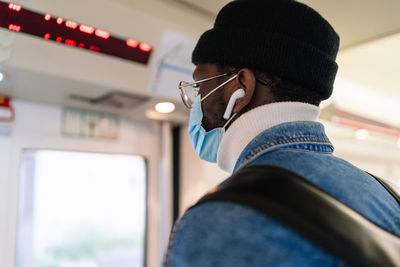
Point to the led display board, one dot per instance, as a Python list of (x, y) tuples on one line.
[(65, 31)]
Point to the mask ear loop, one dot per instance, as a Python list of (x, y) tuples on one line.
[(215, 89), (231, 118)]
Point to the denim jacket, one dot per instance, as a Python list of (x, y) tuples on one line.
[(229, 234)]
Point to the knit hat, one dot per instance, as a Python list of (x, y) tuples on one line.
[(282, 37)]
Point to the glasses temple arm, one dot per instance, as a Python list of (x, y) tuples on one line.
[(222, 84)]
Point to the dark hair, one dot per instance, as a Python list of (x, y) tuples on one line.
[(282, 89)]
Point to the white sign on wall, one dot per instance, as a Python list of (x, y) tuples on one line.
[(173, 64), (86, 123)]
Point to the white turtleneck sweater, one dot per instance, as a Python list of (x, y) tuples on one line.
[(254, 122)]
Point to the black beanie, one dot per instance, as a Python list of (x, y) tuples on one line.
[(282, 37)]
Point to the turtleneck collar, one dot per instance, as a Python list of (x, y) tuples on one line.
[(254, 122)]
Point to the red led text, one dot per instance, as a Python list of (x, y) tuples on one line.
[(13, 27), (86, 29), (14, 7), (102, 34), (132, 43)]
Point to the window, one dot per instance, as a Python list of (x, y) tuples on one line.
[(81, 210)]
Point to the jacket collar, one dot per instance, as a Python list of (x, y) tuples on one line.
[(249, 125)]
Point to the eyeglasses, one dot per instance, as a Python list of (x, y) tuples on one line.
[(189, 91)]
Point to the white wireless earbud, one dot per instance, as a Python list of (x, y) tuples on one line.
[(239, 93)]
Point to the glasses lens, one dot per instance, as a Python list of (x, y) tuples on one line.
[(188, 94)]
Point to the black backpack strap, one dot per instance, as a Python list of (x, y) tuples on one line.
[(312, 213), (395, 192)]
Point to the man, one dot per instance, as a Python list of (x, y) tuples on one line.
[(260, 75)]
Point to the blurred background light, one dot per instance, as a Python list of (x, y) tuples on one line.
[(361, 134), (165, 107)]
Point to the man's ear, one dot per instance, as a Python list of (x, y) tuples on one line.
[(246, 81)]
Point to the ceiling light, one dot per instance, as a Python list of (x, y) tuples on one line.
[(165, 107), (362, 134), (1, 76)]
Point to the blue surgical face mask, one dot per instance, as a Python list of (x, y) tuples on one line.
[(204, 143)]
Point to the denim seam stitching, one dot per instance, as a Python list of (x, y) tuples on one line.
[(294, 140), (280, 143)]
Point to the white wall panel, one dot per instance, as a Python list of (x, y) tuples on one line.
[(39, 126)]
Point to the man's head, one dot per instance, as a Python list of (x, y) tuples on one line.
[(284, 43), (269, 51)]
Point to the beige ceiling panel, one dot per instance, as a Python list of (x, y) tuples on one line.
[(356, 21), (375, 65)]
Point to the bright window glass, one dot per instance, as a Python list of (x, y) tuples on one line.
[(81, 210)]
